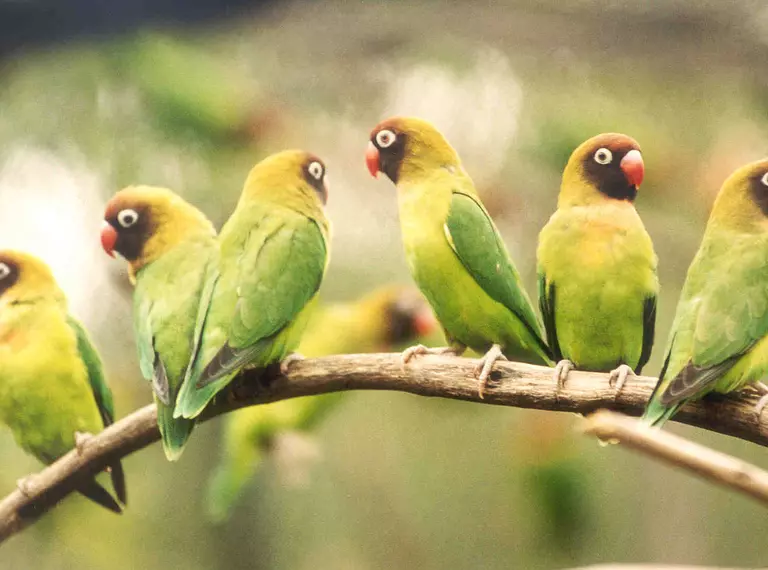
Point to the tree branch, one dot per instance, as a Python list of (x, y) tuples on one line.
[(669, 448), (511, 384)]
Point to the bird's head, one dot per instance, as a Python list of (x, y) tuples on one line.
[(608, 166), (742, 203), (24, 277), (402, 147), (295, 179), (142, 223)]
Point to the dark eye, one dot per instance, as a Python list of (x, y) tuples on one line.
[(385, 138), (127, 218), (764, 179), (5, 271), (603, 156), (315, 170)]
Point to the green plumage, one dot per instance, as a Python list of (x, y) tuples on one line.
[(273, 254), (454, 250), (170, 246), (598, 286), (718, 338), (596, 263), (51, 377), (165, 303)]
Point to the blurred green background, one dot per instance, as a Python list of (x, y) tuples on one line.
[(402, 482)]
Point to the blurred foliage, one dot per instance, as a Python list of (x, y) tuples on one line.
[(403, 481)]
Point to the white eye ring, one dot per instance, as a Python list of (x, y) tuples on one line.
[(764, 179), (315, 170), (385, 138), (127, 218), (5, 271), (603, 156)]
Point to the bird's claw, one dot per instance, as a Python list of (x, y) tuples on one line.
[(24, 484), (485, 366), (619, 377), (420, 349), (81, 440), (285, 364), (562, 369)]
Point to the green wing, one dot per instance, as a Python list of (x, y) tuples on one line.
[(149, 361), (264, 281), (477, 244), (103, 396), (547, 297), (92, 361), (729, 315)]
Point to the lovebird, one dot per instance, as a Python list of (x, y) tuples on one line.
[(273, 252), (453, 249), (596, 264), (383, 319), (719, 335), (169, 245), (53, 394)]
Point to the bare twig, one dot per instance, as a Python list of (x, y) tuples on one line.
[(702, 461), (652, 567), (511, 384)]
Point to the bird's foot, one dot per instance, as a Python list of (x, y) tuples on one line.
[(285, 364), (81, 440), (420, 349), (25, 485), (485, 366), (762, 402), (619, 377), (560, 374)]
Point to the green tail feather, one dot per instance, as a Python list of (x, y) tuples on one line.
[(226, 485), (174, 431), (657, 414)]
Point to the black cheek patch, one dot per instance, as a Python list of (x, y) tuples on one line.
[(318, 185), (130, 241), (391, 158), (759, 192), (400, 323), (9, 280), (609, 179)]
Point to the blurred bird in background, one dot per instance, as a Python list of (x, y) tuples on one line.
[(383, 320)]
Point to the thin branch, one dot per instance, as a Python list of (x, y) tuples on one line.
[(652, 567), (511, 384), (717, 467)]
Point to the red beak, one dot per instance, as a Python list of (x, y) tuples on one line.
[(108, 239), (632, 165), (372, 159), (424, 322)]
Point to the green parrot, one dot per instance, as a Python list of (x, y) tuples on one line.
[(169, 245), (596, 264), (387, 317), (273, 252), (454, 250), (52, 389), (719, 338)]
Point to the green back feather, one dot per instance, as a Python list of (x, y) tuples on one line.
[(476, 241), (272, 263)]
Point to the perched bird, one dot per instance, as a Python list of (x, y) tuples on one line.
[(53, 395), (273, 254), (454, 250), (720, 333), (596, 264), (379, 321), (169, 245)]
